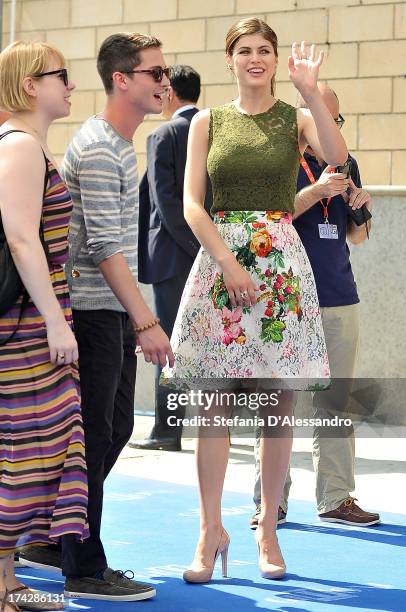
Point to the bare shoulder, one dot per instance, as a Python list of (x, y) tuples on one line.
[(202, 119), (21, 156), (19, 139), (199, 127), (202, 115), (20, 148), (303, 112), (303, 115)]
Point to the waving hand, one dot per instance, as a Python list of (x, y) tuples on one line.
[(304, 67)]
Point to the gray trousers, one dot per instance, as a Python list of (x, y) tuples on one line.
[(333, 458)]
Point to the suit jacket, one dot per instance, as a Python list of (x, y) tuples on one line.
[(166, 244)]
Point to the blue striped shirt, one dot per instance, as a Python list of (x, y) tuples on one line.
[(100, 169)]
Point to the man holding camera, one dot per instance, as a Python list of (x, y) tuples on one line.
[(324, 201)]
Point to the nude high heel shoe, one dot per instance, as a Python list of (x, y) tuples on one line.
[(205, 574), (271, 571)]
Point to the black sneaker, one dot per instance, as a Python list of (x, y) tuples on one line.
[(164, 444), (255, 517), (42, 557), (115, 586), (16, 560)]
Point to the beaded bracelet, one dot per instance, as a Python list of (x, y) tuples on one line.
[(142, 328)]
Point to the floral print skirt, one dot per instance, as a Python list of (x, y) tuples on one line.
[(278, 342)]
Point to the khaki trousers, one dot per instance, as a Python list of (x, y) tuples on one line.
[(333, 455)]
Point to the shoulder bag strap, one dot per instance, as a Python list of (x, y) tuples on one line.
[(25, 299)]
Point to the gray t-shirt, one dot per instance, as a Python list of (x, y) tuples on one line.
[(100, 170)]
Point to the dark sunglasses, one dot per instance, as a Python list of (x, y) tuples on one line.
[(157, 72), (340, 121), (62, 74)]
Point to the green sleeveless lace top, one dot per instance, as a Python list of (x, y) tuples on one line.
[(253, 160)]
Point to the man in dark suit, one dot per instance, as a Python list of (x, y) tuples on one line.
[(167, 246)]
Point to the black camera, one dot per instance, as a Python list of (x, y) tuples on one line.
[(360, 215), (345, 168)]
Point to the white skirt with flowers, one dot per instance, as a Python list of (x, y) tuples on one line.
[(279, 342)]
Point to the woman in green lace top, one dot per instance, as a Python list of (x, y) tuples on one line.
[(249, 312)]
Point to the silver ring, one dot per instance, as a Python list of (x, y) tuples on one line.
[(61, 356), (244, 295)]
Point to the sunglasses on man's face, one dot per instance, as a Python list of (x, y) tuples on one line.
[(62, 73), (340, 121), (157, 72)]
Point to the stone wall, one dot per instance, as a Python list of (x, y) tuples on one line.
[(380, 273), (365, 43)]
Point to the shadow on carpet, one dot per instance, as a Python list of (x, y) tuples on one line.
[(151, 528)]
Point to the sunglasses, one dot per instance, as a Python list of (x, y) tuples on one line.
[(62, 74), (340, 121), (157, 72)]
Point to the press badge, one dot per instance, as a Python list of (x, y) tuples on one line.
[(328, 230)]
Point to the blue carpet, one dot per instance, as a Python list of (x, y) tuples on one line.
[(151, 527)]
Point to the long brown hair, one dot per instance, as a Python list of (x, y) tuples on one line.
[(252, 25)]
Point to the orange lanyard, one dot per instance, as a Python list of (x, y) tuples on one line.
[(311, 178)]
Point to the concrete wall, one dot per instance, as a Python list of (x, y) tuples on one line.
[(365, 43), (380, 272)]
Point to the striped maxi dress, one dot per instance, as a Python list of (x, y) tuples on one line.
[(43, 484)]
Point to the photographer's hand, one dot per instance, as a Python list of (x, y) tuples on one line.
[(331, 184), (358, 196), (328, 186)]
